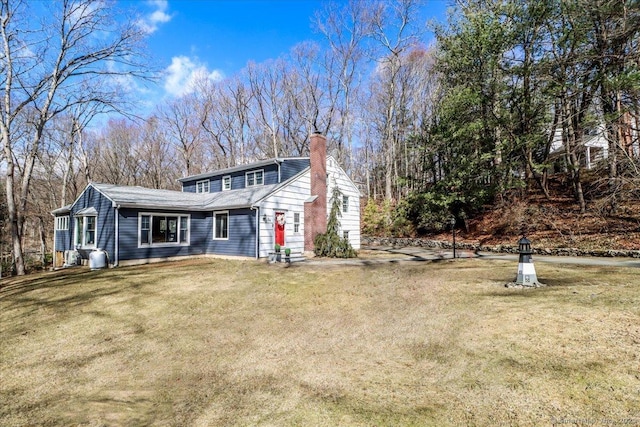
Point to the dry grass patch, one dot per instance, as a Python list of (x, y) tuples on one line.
[(213, 342)]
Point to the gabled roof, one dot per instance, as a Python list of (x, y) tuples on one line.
[(247, 166), (141, 197), (148, 198), (87, 211), (63, 210)]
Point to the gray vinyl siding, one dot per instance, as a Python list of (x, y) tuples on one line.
[(105, 222), (291, 167)]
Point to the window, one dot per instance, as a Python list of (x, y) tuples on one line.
[(345, 203), (296, 222), (254, 178), (85, 231), (163, 229), (221, 225), (345, 235), (202, 186), (62, 223), (184, 229), (226, 183)]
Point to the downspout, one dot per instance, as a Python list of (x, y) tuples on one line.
[(257, 210), (279, 173), (116, 249)]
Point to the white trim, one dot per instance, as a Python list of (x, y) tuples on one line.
[(222, 182), (203, 182), (83, 244), (165, 244), (296, 223), (214, 225), (62, 223), (254, 172)]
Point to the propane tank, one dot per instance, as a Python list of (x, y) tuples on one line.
[(97, 259)]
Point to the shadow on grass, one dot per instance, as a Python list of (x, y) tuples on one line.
[(63, 291)]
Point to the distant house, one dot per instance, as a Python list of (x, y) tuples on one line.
[(594, 146), (240, 211)]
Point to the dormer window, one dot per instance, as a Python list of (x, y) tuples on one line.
[(202, 186), (254, 178), (226, 183)]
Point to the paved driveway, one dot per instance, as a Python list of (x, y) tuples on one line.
[(384, 254)]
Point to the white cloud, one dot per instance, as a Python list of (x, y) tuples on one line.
[(150, 23), (183, 74)]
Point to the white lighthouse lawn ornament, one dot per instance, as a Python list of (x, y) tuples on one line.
[(526, 270)]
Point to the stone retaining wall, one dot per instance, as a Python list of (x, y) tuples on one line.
[(435, 244)]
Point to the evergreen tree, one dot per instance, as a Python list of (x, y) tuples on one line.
[(330, 244)]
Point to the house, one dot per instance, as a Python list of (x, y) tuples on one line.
[(241, 211), (594, 145)]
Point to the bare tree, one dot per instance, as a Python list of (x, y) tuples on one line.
[(48, 67), (346, 28), (182, 120)]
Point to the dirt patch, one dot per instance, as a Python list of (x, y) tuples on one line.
[(555, 224)]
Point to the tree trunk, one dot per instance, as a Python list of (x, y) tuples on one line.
[(43, 240), (571, 142)]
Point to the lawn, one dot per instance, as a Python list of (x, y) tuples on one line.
[(235, 343)]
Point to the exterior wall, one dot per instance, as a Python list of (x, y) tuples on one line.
[(292, 167), (129, 248), (63, 238), (241, 241), (237, 178), (105, 223), (289, 199), (242, 235), (349, 221)]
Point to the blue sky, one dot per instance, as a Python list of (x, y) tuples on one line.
[(218, 37)]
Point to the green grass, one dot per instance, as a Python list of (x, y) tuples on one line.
[(231, 343)]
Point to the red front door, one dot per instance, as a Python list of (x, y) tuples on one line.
[(280, 228)]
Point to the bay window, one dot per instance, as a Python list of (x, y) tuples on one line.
[(85, 231)]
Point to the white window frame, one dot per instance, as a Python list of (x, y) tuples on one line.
[(215, 214), (187, 242), (82, 243), (254, 174), (62, 223), (296, 222), (345, 203), (226, 180), (200, 186)]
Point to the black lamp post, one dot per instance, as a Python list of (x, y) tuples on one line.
[(453, 233)]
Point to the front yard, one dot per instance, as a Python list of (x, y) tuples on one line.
[(235, 343)]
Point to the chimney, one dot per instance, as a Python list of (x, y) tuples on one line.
[(315, 209)]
